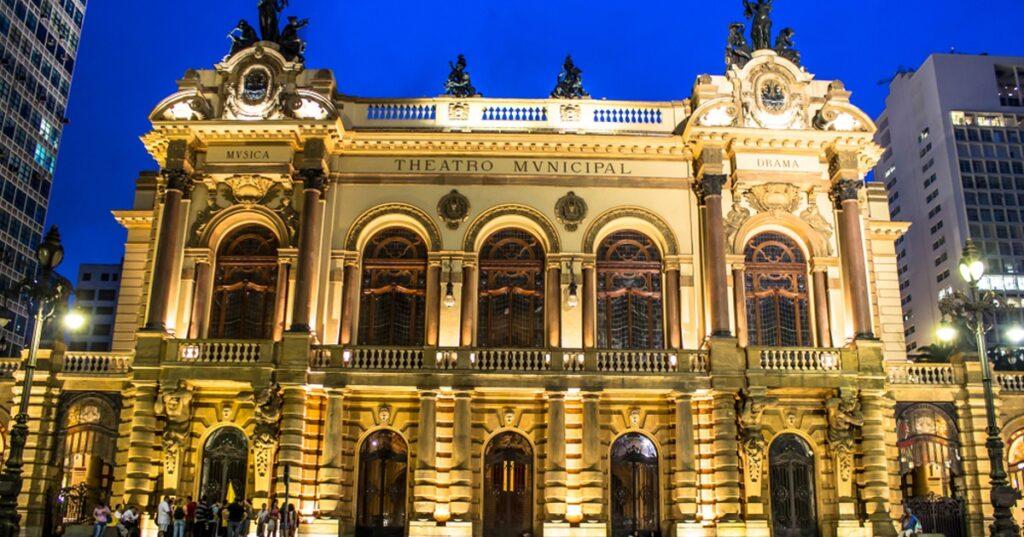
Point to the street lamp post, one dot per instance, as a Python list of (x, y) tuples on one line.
[(47, 292), (971, 309)]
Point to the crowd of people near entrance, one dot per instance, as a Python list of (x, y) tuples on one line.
[(178, 517)]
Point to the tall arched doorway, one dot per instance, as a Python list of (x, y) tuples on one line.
[(383, 469), (393, 301), (629, 299), (635, 487), (225, 464), (508, 486), (791, 473), (776, 289), (245, 285), (511, 292), (931, 473), (86, 448)]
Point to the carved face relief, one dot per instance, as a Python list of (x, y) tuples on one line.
[(634, 417), (508, 416), (384, 415)]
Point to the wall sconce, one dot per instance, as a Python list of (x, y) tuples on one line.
[(573, 299), (449, 288)]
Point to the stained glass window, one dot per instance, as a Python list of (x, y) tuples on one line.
[(393, 300), (776, 289), (511, 293), (245, 285), (629, 298)]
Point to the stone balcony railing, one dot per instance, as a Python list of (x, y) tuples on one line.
[(795, 359), (96, 363), (1010, 382), (223, 351), (937, 374), (558, 115), (507, 360)]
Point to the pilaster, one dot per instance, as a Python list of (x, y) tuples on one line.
[(554, 461), (425, 476), (331, 477)]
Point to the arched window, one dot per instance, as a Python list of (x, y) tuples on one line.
[(1015, 459), (225, 464), (87, 445), (635, 487), (777, 300), (930, 467), (383, 465), (245, 285), (629, 307), (791, 473), (508, 486), (511, 291), (392, 305)]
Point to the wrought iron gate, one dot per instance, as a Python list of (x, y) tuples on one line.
[(792, 488), (635, 487), (937, 514)]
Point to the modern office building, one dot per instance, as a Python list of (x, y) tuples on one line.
[(953, 134), (38, 45), (96, 299)]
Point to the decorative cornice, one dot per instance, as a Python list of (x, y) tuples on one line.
[(885, 229), (134, 219)]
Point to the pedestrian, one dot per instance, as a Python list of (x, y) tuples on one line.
[(118, 525), (273, 517), (179, 518), (101, 516), (293, 520), (204, 518), (163, 516), (247, 520), (261, 520), (236, 514), (222, 516), (130, 520), (910, 524), (190, 516)]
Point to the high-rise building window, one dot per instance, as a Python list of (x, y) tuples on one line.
[(1010, 79)]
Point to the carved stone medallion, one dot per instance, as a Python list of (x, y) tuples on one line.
[(774, 198), (508, 416), (571, 210), (453, 208), (634, 417), (384, 415)]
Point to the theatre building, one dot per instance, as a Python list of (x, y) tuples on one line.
[(498, 317)]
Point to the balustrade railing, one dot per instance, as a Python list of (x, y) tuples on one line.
[(637, 361), (1011, 382), (512, 114), (213, 351), (8, 365), (512, 360), (927, 374), (96, 363), (798, 358)]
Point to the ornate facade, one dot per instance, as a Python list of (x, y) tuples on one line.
[(471, 316)]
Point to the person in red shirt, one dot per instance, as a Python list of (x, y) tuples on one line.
[(190, 516)]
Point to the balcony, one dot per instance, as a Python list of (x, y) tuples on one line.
[(227, 352), (96, 363)]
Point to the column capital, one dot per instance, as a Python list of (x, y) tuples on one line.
[(462, 393), (313, 179), (709, 185), (338, 392), (180, 180), (591, 395), (846, 190), (429, 393), (554, 395)]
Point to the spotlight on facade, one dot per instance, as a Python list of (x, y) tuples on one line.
[(190, 352), (74, 320), (946, 333)]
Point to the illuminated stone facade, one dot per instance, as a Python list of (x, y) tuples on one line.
[(470, 316)]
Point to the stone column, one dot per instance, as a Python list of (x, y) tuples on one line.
[(424, 488), (553, 305), (281, 299), (461, 481), (142, 456), (332, 472), (201, 300), (709, 193), (727, 477), (739, 303), (433, 303), (589, 306), (314, 186), (470, 288), (591, 478), (289, 448), (819, 275), (674, 338), (350, 302), (846, 183), (684, 474), (554, 461), (169, 246)]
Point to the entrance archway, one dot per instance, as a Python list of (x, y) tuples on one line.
[(791, 463), (383, 477), (225, 464), (635, 487), (508, 486)]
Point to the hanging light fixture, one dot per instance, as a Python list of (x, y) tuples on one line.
[(449, 288), (573, 299)]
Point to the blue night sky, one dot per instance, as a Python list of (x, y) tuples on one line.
[(133, 51)]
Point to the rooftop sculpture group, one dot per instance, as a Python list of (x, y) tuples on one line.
[(291, 45), (738, 51)]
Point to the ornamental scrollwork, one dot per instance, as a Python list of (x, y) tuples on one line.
[(174, 404), (247, 191), (453, 208), (774, 198), (738, 215), (268, 402), (843, 413), (846, 190), (749, 416), (811, 215), (571, 210)]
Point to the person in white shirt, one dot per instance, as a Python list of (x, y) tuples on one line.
[(129, 519), (118, 515), (163, 516)]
